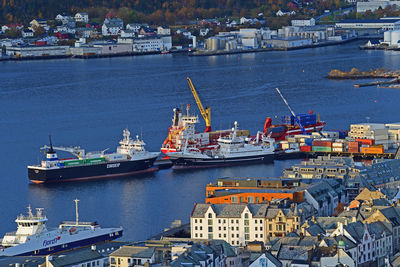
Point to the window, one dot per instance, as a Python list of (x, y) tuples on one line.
[(201, 228), (195, 228), (210, 236), (246, 215), (219, 228), (195, 220), (256, 236), (210, 229), (210, 222), (209, 215), (219, 221), (247, 236)]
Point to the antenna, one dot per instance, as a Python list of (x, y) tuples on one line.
[(51, 145), (76, 211)]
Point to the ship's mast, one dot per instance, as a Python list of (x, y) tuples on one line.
[(76, 211)]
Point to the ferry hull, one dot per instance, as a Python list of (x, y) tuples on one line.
[(90, 172), (185, 162), (71, 245)]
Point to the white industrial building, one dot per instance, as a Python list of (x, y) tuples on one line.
[(391, 38), (291, 42), (37, 51), (303, 22), (148, 44), (377, 24)]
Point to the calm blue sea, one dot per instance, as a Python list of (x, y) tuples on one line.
[(90, 102)]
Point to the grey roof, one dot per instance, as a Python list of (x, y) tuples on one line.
[(356, 230), (75, 258), (134, 252), (236, 210), (23, 261), (392, 214), (292, 253), (226, 248), (315, 230), (273, 259)]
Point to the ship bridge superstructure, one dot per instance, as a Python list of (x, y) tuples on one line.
[(28, 225)]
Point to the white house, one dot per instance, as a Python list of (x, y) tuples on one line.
[(359, 233), (281, 13), (127, 33), (163, 31), (81, 17), (244, 20), (134, 27), (266, 259), (112, 26), (27, 33), (204, 31)]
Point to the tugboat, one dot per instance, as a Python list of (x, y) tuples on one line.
[(33, 239), (231, 150), (129, 159)]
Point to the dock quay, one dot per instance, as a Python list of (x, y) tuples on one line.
[(378, 83), (354, 155)]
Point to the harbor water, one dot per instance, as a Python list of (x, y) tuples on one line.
[(90, 102)]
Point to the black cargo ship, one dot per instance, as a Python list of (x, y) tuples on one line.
[(131, 158)]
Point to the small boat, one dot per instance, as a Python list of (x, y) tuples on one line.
[(231, 150)]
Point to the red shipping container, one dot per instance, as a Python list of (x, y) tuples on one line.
[(305, 148), (369, 142), (353, 144), (322, 143), (353, 150)]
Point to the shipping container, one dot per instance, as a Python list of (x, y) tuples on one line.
[(73, 162), (366, 141), (354, 144), (94, 160), (338, 144), (305, 148), (322, 143), (353, 150), (373, 150), (337, 149), (321, 148)]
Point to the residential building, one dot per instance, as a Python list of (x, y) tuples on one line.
[(36, 23), (201, 255), (266, 259), (163, 31), (204, 31), (281, 13), (360, 234), (80, 258), (112, 26), (128, 256), (254, 190), (303, 22), (81, 17), (147, 31), (239, 224), (27, 33), (127, 33), (134, 27), (390, 215), (325, 196)]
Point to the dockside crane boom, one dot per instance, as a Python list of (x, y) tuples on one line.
[(292, 112), (206, 113)]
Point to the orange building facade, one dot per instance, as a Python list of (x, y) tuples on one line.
[(254, 190)]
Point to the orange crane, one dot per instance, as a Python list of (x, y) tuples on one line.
[(206, 113)]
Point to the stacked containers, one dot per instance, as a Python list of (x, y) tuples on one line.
[(321, 146), (338, 146), (375, 131), (305, 119), (353, 147)]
